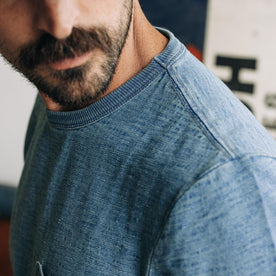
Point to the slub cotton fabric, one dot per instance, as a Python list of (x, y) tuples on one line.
[(168, 175)]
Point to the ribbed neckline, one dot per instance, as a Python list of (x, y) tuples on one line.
[(111, 102)]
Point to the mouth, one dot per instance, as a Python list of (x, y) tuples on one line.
[(69, 63)]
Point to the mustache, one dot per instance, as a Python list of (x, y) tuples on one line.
[(47, 49)]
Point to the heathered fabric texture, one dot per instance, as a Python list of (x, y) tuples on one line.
[(168, 175)]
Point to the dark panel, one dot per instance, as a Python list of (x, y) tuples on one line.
[(185, 18)]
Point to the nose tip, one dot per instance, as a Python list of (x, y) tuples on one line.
[(57, 17), (60, 28)]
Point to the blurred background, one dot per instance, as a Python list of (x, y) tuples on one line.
[(234, 38)]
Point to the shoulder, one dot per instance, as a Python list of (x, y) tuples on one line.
[(224, 220), (214, 108)]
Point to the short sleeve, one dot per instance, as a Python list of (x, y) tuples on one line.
[(224, 224)]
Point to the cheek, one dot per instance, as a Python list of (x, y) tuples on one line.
[(12, 39), (15, 25), (6, 44), (9, 43), (100, 13)]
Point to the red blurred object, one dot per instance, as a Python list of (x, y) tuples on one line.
[(195, 51), (5, 265)]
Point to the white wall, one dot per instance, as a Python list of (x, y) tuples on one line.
[(17, 98), (243, 30)]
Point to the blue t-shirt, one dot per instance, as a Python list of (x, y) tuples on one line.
[(168, 175)]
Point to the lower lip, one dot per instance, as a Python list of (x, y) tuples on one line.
[(69, 63)]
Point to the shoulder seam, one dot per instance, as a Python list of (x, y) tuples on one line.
[(210, 136)]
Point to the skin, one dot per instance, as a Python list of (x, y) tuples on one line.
[(24, 21)]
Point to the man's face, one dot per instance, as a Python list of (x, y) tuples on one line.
[(68, 48)]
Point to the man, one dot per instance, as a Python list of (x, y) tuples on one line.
[(138, 161)]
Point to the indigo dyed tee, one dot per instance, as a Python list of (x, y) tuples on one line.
[(168, 175)]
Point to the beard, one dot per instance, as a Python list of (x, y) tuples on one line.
[(77, 87)]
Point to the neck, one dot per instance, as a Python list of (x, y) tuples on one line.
[(143, 43)]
